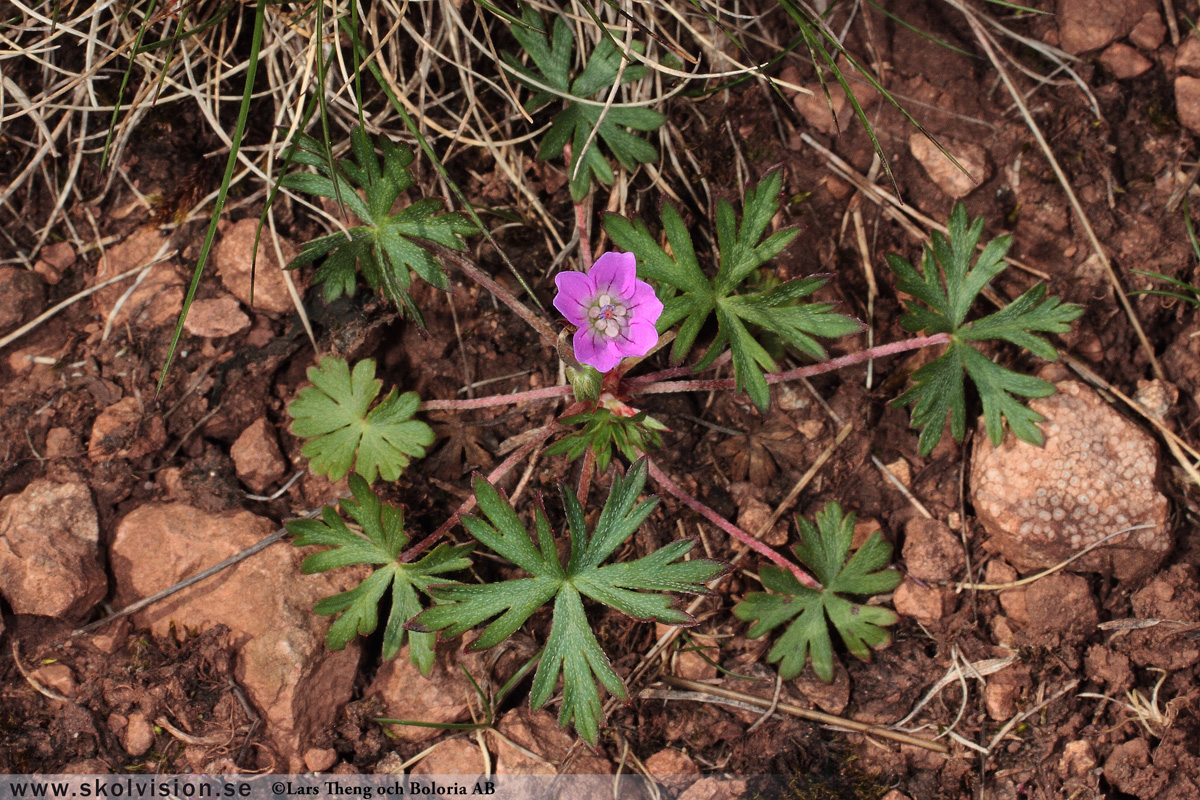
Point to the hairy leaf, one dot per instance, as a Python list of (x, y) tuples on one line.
[(638, 588), (333, 415), (943, 293), (808, 612), (381, 541), (744, 316)]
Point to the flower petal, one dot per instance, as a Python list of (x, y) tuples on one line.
[(615, 274), (575, 294), (637, 339), (595, 350), (645, 303)]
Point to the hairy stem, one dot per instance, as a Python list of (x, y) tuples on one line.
[(533, 395), (585, 476), (832, 364), (733, 530), (513, 459)]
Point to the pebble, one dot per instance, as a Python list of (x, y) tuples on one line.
[(953, 182)]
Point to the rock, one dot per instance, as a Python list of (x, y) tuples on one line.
[(60, 256), (1088, 25), (125, 430), (538, 733), (1150, 31), (1187, 102), (1128, 769), (1004, 689), (445, 696), (895, 794), (1062, 603), (297, 685), (925, 605), (1124, 62), (953, 182), (452, 757), (21, 297), (151, 301), (673, 769), (753, 513), (62, 443), (138, 736), (1172, 595), (50, 551), (1107, 666), (217, 317), (233, 257), (1187, 57), (832, 698), (715, 789), (931, 550), (56, 677), (1012, 601), (1156, 397), (1078, 759), (815, 107), (257, 457), (1095, 475), (320, 759)]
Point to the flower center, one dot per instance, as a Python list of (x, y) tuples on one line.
[(607, 316)]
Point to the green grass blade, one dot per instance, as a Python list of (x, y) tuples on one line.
[(260, 15), (918, 31), (112, 126)]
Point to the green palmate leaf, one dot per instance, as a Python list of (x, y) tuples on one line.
[(944, 291), (333, 415), (381, 541), (808, 612), (386, 246), (690, 298), (637, 588), (551, 55)]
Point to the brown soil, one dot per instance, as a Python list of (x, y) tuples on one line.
[(177, 447)]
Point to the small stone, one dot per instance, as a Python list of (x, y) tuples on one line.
[(452, 757), (62, 443), (1003, 690), (1125, 765), (139, 735), (21, 297), (925, 605), (233, 257), (1003, 632), (715, 789), (145, 301), (1150, 31), (49, 550), (832, 697), (1156, 397), (126, 430), (931, 550), (1187, 102), (320, 759), (895, 794), (215, 318), (753, 513), (445, 696), (1173, 594), (57, 678), (256, 456), (60, 256), (544, 746), (1095, 476), (1062, 603), (1078, 759), (901, 471), (814, 107), (1187, 57), (282, 663), (1124, 62), (1105, 665), (1087, 25), (864, 527), (673, 769), (953, 182)]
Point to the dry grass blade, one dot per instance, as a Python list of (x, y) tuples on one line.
[(805, 713)]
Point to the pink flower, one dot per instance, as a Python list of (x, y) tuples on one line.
[(614, 311)]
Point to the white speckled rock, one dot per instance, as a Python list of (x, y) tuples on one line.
[(1096, 474)]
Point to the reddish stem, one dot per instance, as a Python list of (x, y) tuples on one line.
[(733, 530), (803, 372), (678, 372), (493, 476), (546, 393), (585, 245)]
